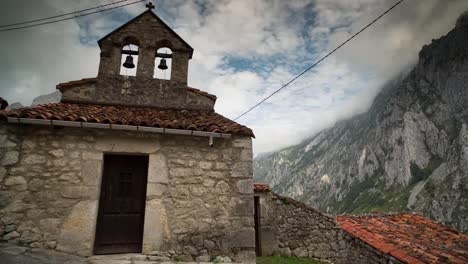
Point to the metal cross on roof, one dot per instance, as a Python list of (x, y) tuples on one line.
[(150, 6)]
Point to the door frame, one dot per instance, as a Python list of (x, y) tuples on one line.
[(104, 181), (257, 225)]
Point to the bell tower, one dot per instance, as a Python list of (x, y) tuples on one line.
[(143, 63), (147, 33)]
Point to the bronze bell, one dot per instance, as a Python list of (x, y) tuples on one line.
[(162, 65), (129, 62)]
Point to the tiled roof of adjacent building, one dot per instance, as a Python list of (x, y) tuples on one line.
[(261, 187), (408, 237), (196, 120), (66, 85)]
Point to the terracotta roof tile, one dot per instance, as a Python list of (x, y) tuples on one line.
[(261, 187), (197, 120), (408, 237)]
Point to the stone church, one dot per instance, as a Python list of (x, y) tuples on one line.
[(128, 163)]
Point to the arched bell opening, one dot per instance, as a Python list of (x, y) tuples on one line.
[(129, 60), (163, 64)]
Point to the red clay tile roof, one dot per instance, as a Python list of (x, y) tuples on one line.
[(261, 187), (64, 86), (409, 237), (207, 121)]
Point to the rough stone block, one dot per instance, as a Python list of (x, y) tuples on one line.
[(242, 206), (127, 145), (91, 172), (209, 183), (60, 162), (269, 241), (242, 143), (155, 189), (6, 143), (184, 172), (78, 229), (211, 156), (10, 158), (50, 225), (91, 155), (58, 153), (197, 190), (73, 192), (15, 180), (215, 174), (245, 256), (158, 170), (156, 228), (242, 169), (35, 159), (11, 235), (206, 165), (223, 187), (221, 166), (3, 172), (204, 258), (246, 155), (240, 238), (245, 186)]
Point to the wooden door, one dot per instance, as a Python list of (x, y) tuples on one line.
[(121, 213)]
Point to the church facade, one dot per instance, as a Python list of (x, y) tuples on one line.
[(129, 163)]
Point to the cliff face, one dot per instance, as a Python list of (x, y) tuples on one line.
[(47, 98), (408, 152)]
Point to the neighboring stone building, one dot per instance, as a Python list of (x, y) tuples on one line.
[(287, 227), (129, 164)]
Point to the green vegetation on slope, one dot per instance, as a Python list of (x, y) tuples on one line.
[(371, 195)]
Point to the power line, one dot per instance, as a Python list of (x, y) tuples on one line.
[(66, 14), (320, 60), (73, 17)]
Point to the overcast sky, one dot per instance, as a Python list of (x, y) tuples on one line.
[(244, 50)]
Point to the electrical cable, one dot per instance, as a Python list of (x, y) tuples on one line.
[(320, 60), (73, 17), (66, 14)]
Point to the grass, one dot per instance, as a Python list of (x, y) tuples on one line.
[(286, 260)]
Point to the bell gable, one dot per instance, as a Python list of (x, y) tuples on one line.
[(158, 61)]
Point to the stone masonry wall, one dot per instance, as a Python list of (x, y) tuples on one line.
[(125, 90), (199, 198), (358, 251), (290, 228)]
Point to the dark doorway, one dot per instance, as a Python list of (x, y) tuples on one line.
[(258, 248), (121, 213)]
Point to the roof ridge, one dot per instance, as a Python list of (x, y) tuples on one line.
[(70, 84), (378, 214), (201, 92)]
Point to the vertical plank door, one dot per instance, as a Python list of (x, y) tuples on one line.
[(121, 212)]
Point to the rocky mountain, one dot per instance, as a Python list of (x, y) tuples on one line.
[(15, 106), (408, 152), (47, 98)]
